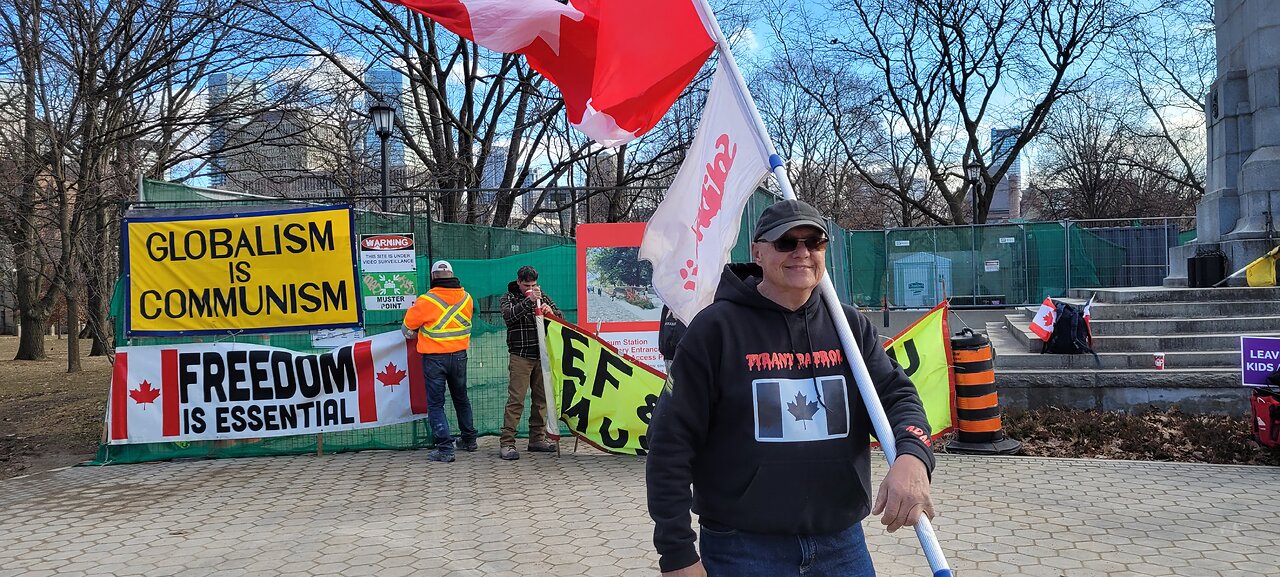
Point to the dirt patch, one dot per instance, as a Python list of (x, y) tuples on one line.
[(1146, 435), (49, 418)]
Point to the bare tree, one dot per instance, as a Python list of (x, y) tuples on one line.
[(945, 72), (1169, 63), (109, 91), (1097, 162)]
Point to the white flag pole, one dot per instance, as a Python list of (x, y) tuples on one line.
[(880, 422), (544, 363)]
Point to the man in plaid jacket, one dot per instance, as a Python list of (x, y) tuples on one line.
[(518, 312)]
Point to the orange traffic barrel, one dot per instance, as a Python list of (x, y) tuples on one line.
[(978, 425)]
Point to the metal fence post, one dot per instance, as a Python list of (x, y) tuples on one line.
[(1027, 297), (1066, 227), (973, 259), (884, 286), (1166, 248)]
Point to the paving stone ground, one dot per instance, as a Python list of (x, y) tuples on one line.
[(394, 513)]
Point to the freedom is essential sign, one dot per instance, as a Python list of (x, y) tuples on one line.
[(288, 269), (207, 391)]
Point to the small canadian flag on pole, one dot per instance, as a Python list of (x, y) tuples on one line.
[(1042, 323), (1088, 316)]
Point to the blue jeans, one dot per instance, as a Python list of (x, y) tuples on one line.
[(728, 552), (437, 370)]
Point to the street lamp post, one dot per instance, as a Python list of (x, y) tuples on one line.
[(384, 119), (973, 174)]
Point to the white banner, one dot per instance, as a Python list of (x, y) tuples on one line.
[(207, 391), (691, 233)]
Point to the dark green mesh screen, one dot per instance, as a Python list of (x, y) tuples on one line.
[(485, 259)]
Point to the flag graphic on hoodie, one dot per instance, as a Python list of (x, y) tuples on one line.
[(799, 410)]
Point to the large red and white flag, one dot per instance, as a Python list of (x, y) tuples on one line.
[(691, 233), (1042, 323), (619, 64)]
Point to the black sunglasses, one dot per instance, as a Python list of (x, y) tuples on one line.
[(788, 244)]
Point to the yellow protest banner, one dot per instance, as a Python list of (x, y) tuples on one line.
[(606, 398), (291, 269), (924, 351)]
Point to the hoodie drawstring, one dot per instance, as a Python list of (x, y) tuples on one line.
[(813, 373)]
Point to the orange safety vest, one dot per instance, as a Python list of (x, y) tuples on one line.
[(442, 319)]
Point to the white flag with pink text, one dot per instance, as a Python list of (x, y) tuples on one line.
[(690, 235)]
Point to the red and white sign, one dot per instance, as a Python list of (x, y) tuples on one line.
[(691, 233), (386, 241), (207, 391), (387, 253), (619, 65)]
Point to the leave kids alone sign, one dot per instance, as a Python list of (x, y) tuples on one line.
[(290, 269)]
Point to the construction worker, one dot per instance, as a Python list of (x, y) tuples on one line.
[(441, 322)]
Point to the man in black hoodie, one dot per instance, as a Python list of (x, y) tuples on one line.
[(762, 416)]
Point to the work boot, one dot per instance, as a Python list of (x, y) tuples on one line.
[(440, 456), (468, 445), (543, 446), (508, 453)]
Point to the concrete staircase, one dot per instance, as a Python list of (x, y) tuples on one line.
[(1198, 330)]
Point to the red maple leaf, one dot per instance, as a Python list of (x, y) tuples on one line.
[(391, 375), (1048, 319), (144, 394)]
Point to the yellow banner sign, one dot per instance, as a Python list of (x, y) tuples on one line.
[(606, 398), (268, 271), (924, 351)]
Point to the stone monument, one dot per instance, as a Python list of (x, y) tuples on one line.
[(1242, 109)]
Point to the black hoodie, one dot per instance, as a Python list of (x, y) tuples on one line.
[(763, 417)]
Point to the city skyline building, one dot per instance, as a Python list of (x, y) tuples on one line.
[(1008, 194), (231, 99)]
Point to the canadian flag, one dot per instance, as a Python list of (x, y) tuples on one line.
[(1042, 323), (689, 237), (619, 64)]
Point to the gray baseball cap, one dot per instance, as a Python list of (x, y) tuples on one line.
[(785, 215)]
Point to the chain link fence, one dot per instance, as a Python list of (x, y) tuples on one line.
[(1009, 264)]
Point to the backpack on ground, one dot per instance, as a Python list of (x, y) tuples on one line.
[(1265, 406), (1070, 334)]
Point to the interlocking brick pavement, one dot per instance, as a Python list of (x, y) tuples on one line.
[(394, 513)]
